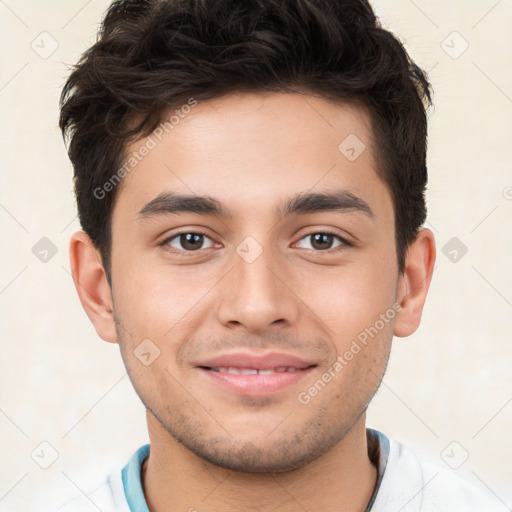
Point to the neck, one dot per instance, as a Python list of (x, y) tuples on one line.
[(175, 479)]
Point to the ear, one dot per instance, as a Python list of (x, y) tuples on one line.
[(415, 282), (92, 285)]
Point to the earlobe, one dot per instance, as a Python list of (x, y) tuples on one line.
[(92, 286), (415, 282)]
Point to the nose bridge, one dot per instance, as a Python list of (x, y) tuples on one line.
[(254, 294)]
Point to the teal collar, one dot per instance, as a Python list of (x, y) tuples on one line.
[(132, 481)]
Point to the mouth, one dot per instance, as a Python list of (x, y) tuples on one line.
[(254, 374), (254, 371)]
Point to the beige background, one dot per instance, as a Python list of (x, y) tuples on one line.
[(451, 381)]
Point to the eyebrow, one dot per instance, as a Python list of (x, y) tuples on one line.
[(169, 202), (339, 200), (172, 203)]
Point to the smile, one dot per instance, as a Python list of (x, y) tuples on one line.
[(255, 374), (253, 371)]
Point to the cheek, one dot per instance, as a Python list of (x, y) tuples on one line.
[(349, 300), (155, 300)]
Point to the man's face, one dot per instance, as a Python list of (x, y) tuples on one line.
[(247, 318)]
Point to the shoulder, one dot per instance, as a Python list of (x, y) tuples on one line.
[(412, 484), (445, 490), (121, 487), (108, 496)]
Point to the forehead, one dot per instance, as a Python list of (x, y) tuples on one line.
[(253, 149)]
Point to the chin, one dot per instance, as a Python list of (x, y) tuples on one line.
[(276, 452)]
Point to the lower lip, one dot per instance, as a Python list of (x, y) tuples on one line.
[(256, 385)]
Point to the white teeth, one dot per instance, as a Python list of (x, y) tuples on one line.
[(248, 371), (253, 371), (242, 371)]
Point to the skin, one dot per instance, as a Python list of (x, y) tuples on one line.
[(212, 449)]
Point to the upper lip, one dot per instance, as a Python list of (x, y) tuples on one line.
[(256, 361)]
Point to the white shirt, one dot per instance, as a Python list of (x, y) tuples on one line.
[(405, 484)]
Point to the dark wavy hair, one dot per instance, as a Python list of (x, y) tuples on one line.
[(153, 55)]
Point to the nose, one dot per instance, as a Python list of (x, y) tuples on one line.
[(257, 295)]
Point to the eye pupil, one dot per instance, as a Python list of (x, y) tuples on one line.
[(191, 241), (321, 241)]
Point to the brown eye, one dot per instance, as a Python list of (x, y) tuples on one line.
[(322, 241), (190, 241)]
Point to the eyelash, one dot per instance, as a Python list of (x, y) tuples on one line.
[(185, 254), (344, 243)]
